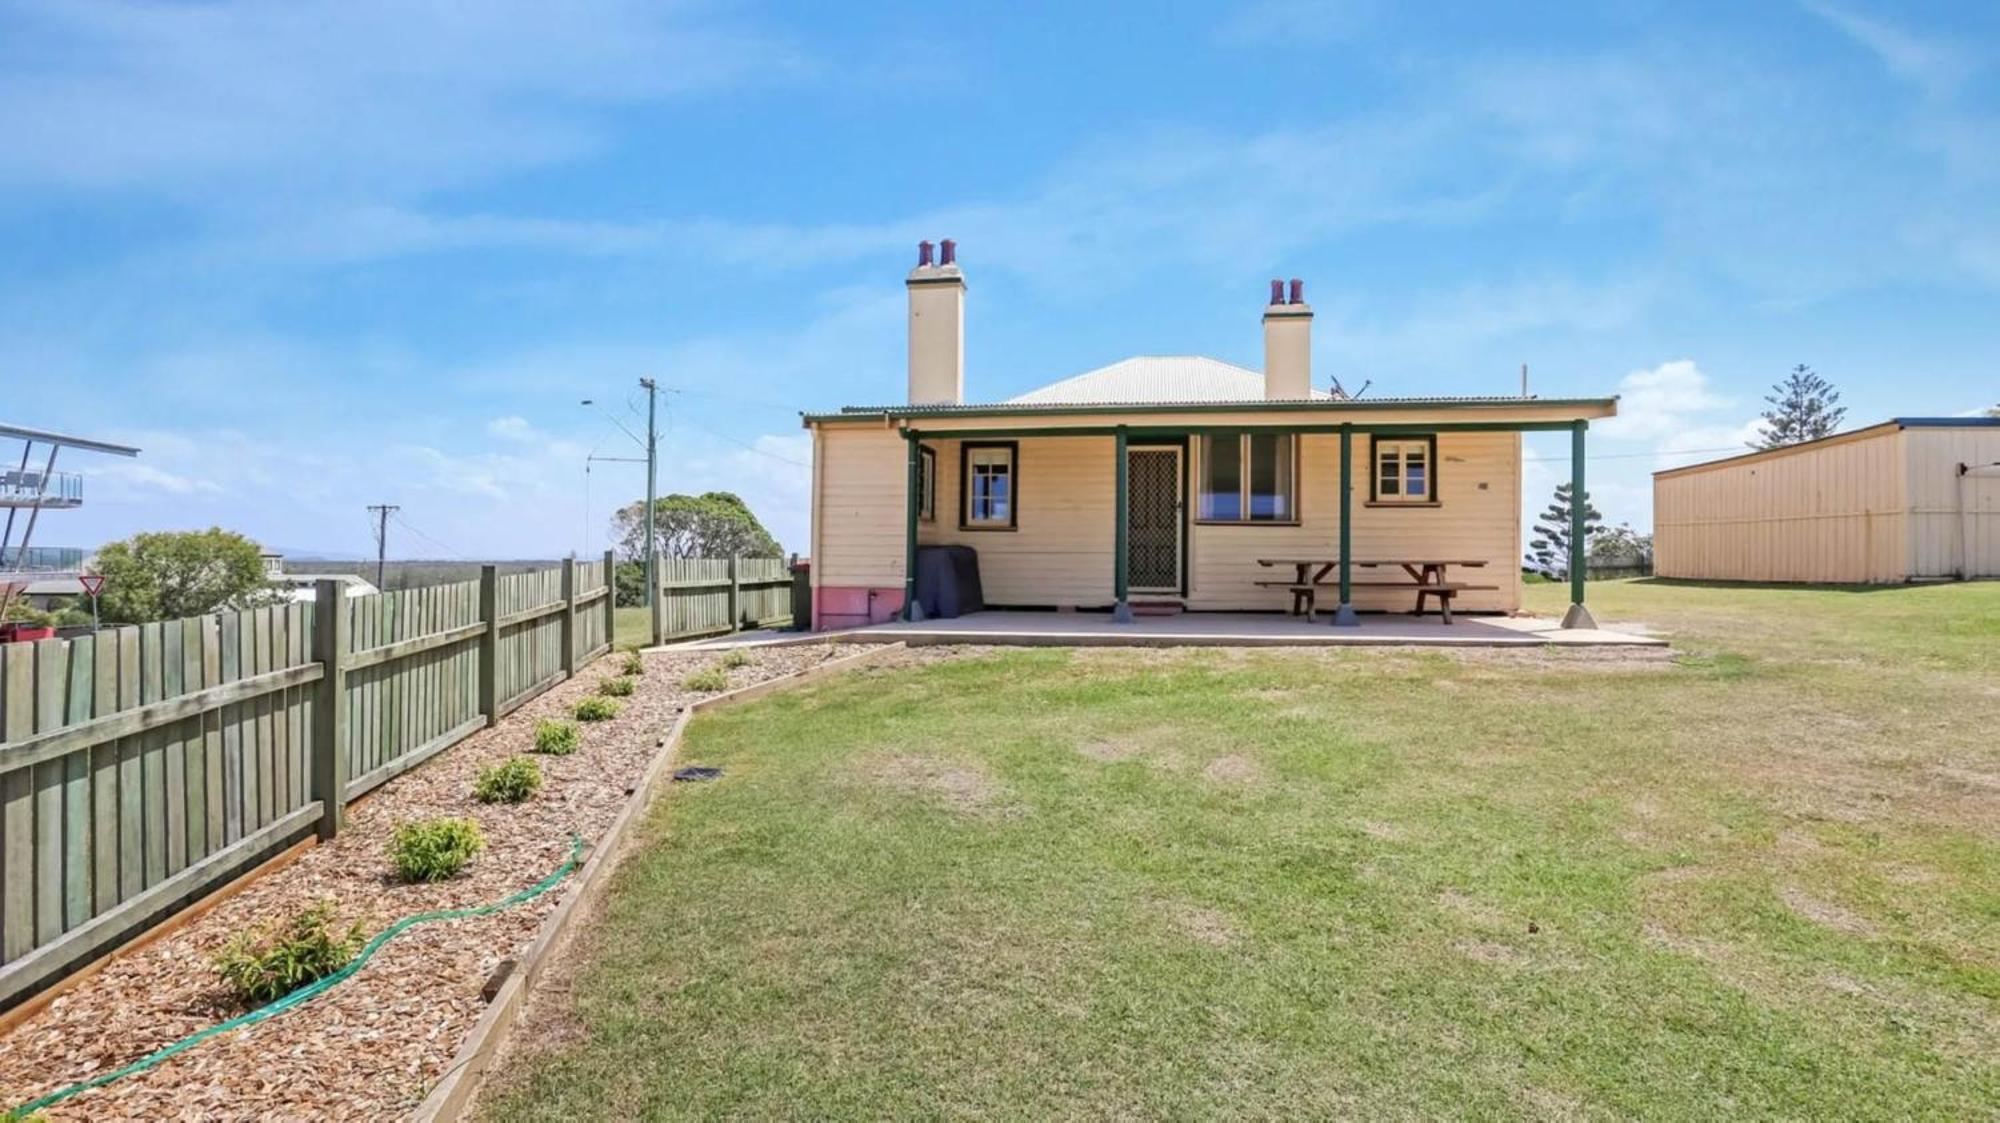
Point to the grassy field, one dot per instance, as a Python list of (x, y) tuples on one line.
[(1758, 877)]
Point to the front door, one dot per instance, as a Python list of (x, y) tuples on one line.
[(1153, 504)]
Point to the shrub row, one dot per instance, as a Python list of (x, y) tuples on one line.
[(271, 961)]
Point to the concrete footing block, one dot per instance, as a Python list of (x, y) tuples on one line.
[(1579, 617)]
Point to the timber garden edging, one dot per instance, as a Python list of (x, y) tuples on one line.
[(459, 1086), (144, 769)]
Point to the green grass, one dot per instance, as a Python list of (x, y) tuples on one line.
[(1758, 878), (631, 627)]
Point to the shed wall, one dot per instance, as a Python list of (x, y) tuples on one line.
[(1954, 519), (1832, 513)]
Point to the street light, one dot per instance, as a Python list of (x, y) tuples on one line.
[(652, 446)]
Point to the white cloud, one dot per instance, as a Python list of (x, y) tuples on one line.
[(512, 429), (1660, 402), (1934, 65), (338, 97)]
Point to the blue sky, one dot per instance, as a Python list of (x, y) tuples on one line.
[(313, 255)]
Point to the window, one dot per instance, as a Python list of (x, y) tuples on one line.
[(1405, 470), (927, 485), (1248, 477), (987, 492)]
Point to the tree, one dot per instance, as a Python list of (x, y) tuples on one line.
[(1621, 547), (175, 574), (1803, 409), (716, 524), (1550, 550), (628, 583)]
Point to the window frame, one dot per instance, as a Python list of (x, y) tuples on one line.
[(965, 451), (1198, 482), (927, 484), (1375, 496)]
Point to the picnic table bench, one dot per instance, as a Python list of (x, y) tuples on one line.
[(1427, 576)]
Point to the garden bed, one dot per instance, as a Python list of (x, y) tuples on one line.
[(372, 1046)]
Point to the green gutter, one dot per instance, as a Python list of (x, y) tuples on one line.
[(1141, 431), (867, 413)]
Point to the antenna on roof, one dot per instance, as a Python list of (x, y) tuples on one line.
[(1340, 393), (1524, 380)]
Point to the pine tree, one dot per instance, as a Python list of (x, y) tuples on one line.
[(1803, 409), (1550, 550)]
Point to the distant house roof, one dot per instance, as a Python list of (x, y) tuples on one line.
[(1154, 378)]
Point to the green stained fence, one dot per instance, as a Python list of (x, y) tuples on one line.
[(144, 767), (709, 596)]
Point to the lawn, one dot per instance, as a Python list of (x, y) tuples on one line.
[(1758, 877), (632, 626)]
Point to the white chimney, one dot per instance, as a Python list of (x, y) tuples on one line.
[(1288, 344), (937, 327)]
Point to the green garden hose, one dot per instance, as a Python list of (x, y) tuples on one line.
[(308, 993)]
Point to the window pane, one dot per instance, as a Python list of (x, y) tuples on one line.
[(1388, 470), (1221, 477), (989, 490), (1270, 476)]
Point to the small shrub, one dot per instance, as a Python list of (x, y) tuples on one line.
[(556, 737), (273, 961), (737, 657), (434, 849), (617, 687), (707, 680), (595, 709), (634, 664), (510, 781)]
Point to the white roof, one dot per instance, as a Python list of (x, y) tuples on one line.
[(1155, 378)]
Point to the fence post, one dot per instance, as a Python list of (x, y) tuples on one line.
[(329, 734), (735, 596), (657, 596), (489, 643), (569, 616), (610, 600)]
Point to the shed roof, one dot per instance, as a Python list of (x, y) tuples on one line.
[(1892, 425)]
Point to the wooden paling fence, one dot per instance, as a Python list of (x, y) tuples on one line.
[(705, 596), (141, 768)]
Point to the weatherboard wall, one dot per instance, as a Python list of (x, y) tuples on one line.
[(1060, 551)]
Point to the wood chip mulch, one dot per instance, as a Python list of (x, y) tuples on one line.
[(372, 1046)]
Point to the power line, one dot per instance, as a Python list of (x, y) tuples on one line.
[(407, 525)]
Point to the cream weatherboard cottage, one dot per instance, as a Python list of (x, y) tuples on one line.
[(1168, 482)]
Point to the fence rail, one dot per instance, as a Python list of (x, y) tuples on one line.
[(706, 596), (141, 768)]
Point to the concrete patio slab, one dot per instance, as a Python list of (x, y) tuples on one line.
[(1212, 629)]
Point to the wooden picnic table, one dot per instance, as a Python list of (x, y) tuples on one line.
[(1427, 576)]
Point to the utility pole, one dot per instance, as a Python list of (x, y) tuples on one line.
[(652, 477), (381, 511)]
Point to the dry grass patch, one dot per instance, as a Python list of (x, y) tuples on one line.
[(1201, 924), (963, 787), (1826, 912), (1234, 771)]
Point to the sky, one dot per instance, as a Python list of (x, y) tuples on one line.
[(312, 256)]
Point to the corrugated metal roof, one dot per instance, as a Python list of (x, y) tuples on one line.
[(1259, 405), (1154, 378), (1760, 454)]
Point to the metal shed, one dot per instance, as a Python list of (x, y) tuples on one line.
[(1911, 498)]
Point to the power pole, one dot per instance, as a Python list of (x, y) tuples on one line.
[(381, 511), (652, 475)]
